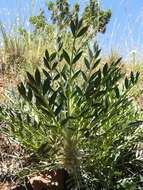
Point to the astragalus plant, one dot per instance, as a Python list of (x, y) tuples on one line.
[(76, 114)]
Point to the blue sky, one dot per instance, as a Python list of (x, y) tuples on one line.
[(124, 32)]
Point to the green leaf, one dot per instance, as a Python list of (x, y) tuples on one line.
[(53, 56), (18, 115), (40, 101), (75, 75), (58, 110), (90, 53), (46, 86), (137, 76), (52, 98), (89, 90), (79, 90), (56, 77), (87, 63), (54, 65), (77, 57), (76, 21), (97, 53), (31, 78), (109, 83), (46, 74), (29, 94), (37, 77), (126, 83), (84, 76), (117, 92), (132, 77), (64, 121), (116, 62), (33, 87), (44, 110), (74, 93), (105, 104), (59, 43), (63, 73), (21, 89), (66, 57), (46, 63), (105, 69), (63, 97), (47, 54), (95, 46), (72, 27), (94, 75), (82, 31), (60, 57), (96, 63), (97, 82)]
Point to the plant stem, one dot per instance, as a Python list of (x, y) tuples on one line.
[(69, 84)]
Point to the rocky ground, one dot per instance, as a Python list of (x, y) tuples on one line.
[(12, 160)]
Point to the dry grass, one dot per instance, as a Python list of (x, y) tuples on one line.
[(11, 155)]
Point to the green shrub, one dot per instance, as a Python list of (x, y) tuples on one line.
[(80, 119)]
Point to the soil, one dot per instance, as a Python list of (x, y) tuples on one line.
[(53, 180), (13, 158)]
